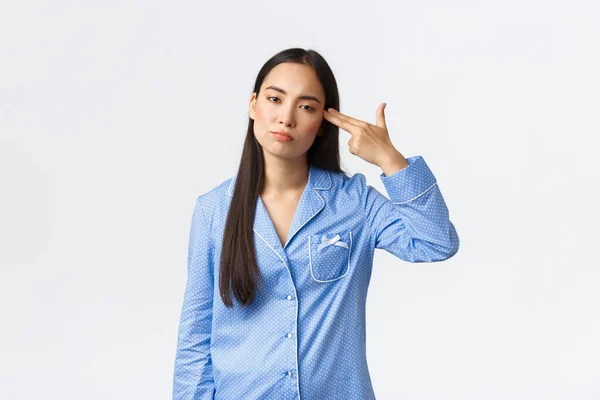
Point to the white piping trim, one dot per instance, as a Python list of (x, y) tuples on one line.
[(416, 197), (297, 302), (288, 268), (315, 188), (229, 187), (306, 222), (326, 188), (329, 280)]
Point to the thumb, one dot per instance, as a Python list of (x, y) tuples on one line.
[(380, 116)]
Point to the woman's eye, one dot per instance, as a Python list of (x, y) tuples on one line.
[(309, 108)]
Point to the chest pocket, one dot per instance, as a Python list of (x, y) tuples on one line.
[(329, 255)]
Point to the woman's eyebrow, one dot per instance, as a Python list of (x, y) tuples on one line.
[(304, 96)]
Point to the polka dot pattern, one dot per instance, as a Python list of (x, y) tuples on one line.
[(304, 336)]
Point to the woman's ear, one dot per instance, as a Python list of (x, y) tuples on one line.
[(252, 106)]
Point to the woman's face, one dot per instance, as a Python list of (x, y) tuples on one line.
[(291, 100)]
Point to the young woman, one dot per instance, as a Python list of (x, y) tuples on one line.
[(280, 255)]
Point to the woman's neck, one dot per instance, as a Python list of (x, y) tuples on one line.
[(285, 175)]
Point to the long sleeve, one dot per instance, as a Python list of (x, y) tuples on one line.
[(193, 378), (413, 224)]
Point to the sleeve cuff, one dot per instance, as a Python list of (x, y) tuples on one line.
[(410, 182)]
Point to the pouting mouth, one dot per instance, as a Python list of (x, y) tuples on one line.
[(282, 133)]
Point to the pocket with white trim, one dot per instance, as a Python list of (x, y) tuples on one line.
[(329, 255)]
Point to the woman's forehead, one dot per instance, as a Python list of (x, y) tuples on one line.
[(294, 79)]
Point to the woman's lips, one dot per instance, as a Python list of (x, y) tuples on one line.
[(281, 136)]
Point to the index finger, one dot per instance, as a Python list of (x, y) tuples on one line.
[(342, 123), (348, 118)]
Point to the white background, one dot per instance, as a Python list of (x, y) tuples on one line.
[(116, 115)]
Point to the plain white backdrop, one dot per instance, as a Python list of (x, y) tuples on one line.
[(116, 115)]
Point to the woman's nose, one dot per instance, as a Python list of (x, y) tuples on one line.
[(287, 116)]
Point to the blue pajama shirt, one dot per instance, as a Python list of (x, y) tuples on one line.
[(304, 336)]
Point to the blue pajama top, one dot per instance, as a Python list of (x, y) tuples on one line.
[(304, 336)]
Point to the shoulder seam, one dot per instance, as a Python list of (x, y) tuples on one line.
[(363, 194), (208, 223)]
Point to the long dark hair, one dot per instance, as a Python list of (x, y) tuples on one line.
[(239, 270)]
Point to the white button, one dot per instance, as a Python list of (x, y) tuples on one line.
[(289, 373), (289, 297), (289, 335)]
